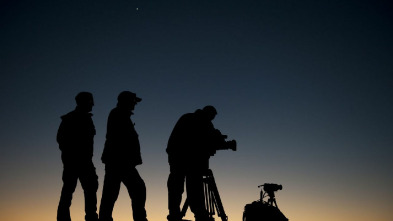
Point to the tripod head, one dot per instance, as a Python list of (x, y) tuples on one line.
[(269, 189)]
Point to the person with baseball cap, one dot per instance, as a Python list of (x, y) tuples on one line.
[(121, 155)]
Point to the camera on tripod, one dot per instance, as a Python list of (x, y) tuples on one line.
[(228, 145), (264, 210), (223, 144)]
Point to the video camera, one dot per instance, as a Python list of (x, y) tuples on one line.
[(218, 142), (223, 144)]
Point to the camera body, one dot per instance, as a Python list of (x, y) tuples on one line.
[(228, 145), (271, 187), (219, 142)]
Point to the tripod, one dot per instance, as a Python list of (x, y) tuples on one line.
[(212, 198), (270, 188)]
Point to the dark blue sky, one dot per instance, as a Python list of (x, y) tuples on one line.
[(304, 86)]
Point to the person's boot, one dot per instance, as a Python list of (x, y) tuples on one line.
[(173, 217), (91, 217)]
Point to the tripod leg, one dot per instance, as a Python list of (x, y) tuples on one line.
[(209, 206), (275, 203), (215, 196)]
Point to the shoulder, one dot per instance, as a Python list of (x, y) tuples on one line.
[(76, 116), (187, 116), (69, 116), (115, 113)]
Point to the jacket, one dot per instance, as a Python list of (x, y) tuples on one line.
[(75, 136), (122, 146), (190, 142)]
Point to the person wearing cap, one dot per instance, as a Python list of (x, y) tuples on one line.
[(189, 148), (121, 155), (76, 137)]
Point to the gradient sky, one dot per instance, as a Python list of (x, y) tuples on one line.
[(305, 87)]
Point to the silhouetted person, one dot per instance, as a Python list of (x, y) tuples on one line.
[(189, 148), (121, 155), (75, 137)]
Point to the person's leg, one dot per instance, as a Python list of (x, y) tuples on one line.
[(137, 190), (110, 192), (89, 182), (70, 179), (195, 195), (175, 186)]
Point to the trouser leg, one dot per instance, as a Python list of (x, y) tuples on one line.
[(69, 184), (110, 192), (175, 186), (89, 182), (137, 190), (195, 194)]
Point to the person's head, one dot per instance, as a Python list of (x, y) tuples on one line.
[(210, 112), (84, 101), (128, 100)]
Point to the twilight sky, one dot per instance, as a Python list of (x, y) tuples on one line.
[(305, 87)]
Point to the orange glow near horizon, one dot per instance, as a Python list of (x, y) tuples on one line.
[(39, 206), (29, 197), (123, 212)]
